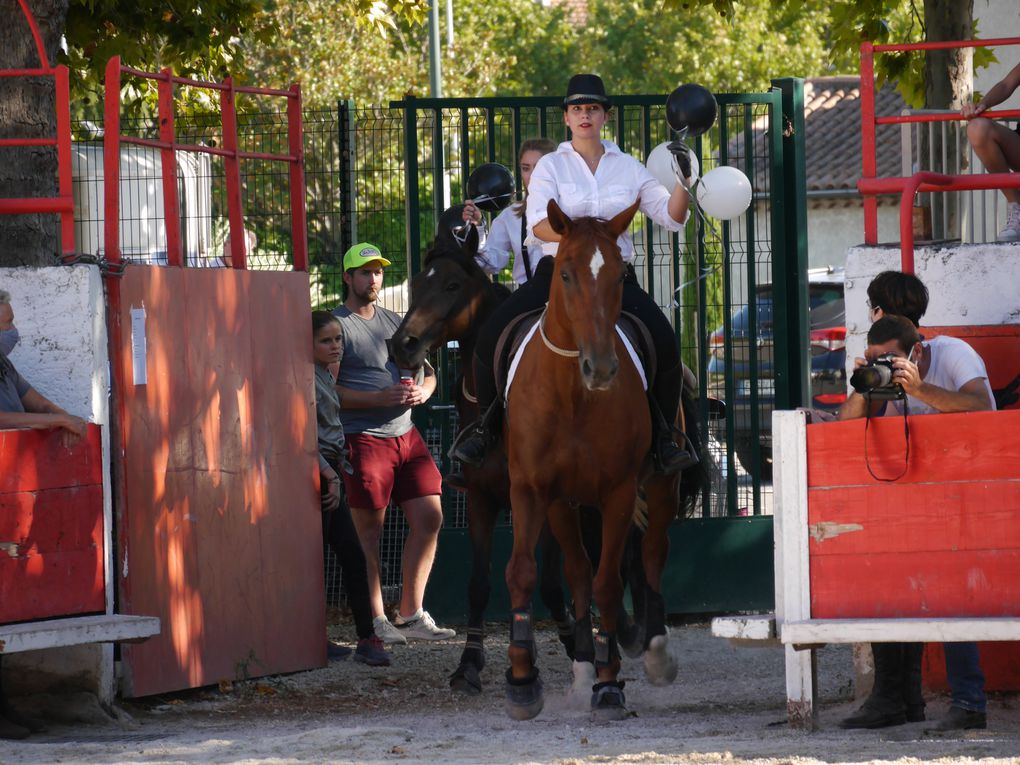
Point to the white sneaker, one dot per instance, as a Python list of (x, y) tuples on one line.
[(386, 632), (422, 627), (1011, 231)]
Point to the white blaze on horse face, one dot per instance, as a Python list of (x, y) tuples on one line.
[(431, 273), (597, 261)]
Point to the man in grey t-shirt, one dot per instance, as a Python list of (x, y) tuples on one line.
[(389, 456)]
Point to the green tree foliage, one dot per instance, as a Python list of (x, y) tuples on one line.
[(202, 39), (852, 22), (510, 47), (640, 48)]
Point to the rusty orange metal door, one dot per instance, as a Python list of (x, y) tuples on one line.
[(215, 477)]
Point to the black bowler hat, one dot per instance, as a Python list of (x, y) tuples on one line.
[(586, 89)]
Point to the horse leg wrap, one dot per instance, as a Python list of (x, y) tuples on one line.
[(655, 615), (606, 650), (584, 646), (522, 634), (475, 638)]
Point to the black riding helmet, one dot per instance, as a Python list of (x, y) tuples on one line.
[(491, 187)]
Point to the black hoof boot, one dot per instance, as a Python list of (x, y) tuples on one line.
[(566, 630), (524, 698), (466, 680), (608, 702)]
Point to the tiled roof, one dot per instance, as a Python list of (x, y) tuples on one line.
[(832, 119)]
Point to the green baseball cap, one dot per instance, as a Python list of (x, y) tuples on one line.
[(363, 253)]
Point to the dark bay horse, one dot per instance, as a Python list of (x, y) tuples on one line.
[(578, 434), (450, 298)]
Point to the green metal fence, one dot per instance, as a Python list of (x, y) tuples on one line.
[(383, 174)]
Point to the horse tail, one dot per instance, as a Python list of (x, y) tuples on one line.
[(693, 480)]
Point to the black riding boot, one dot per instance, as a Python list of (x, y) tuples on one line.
[(913, 696), (664, 403), (885, 706), (474, 441)]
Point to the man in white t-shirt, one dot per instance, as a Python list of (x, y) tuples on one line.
[(943, 374)]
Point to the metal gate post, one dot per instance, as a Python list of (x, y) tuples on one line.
[(346, 137), (790, 252), (411, 203)]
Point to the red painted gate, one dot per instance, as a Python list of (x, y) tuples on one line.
[(215, 475)]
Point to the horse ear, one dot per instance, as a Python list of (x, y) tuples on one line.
[(622, 220), (557, 218)]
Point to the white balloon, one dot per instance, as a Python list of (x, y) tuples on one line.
[(662, 165), (724, 192)]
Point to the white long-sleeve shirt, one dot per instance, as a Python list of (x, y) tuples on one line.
[(619, 179), (504, 239)]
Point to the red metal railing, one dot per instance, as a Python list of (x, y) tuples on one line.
[(168, 147), (63, 203), (870, 184)]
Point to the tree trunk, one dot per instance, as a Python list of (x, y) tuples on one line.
[(949, 82), (27, 111)]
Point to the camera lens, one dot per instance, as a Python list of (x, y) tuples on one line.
[(870, 377)]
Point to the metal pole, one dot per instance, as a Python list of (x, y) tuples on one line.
[(449, 28), (435, 66)]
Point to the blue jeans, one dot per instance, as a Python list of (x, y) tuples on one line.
[(966, 680)]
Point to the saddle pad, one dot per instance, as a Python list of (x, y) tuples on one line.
[(519, 351)]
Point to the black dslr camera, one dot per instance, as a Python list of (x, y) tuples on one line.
[(875, 380)]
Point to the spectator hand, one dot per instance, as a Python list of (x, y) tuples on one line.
[(906, 373), (471, 213), (681, 159), (415, 395), (394, 395), (331, 499), (75, 426), (970, 111)]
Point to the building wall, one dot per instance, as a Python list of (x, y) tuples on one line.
[(995, 19), (832, 231)]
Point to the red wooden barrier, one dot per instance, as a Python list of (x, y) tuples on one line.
[(51, 525)]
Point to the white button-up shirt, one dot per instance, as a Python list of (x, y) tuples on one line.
[(503, 239), (619, 179)]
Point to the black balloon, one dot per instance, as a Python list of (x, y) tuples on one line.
[(491, 186), (692, 108)]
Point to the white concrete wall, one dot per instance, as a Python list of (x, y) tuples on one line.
[(968, 285), (60, 313)]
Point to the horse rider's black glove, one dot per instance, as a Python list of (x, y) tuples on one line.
[(681, 158)]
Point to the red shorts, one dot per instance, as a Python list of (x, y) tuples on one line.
[(386, 469)]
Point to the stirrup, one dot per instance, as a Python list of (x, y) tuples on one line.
[(676, 459)]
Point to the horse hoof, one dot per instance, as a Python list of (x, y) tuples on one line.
[(524, 699), (580, 687), (632, 641), (608, 702), (660, 666), (466, 680)]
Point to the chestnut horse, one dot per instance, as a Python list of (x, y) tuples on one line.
[(450, 299), (578, 433)]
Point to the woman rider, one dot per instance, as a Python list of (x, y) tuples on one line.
[(588, 176)]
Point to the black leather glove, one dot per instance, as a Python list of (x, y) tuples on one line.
[(681, 156)]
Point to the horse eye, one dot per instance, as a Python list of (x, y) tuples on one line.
[(452, 287), (565, 276)]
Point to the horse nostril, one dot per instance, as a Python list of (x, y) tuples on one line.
[(586, 368)]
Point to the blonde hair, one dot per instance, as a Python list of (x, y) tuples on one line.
[(543, 146)]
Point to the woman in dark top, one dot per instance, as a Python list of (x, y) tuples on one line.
[(337, 525)]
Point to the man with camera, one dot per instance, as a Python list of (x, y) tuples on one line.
[(902, 375)]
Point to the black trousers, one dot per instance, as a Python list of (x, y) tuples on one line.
[(535, 293), (339, 531)]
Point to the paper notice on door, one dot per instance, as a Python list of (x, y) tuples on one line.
[(138, 353)]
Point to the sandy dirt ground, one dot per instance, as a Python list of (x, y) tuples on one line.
[(727, 706)]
